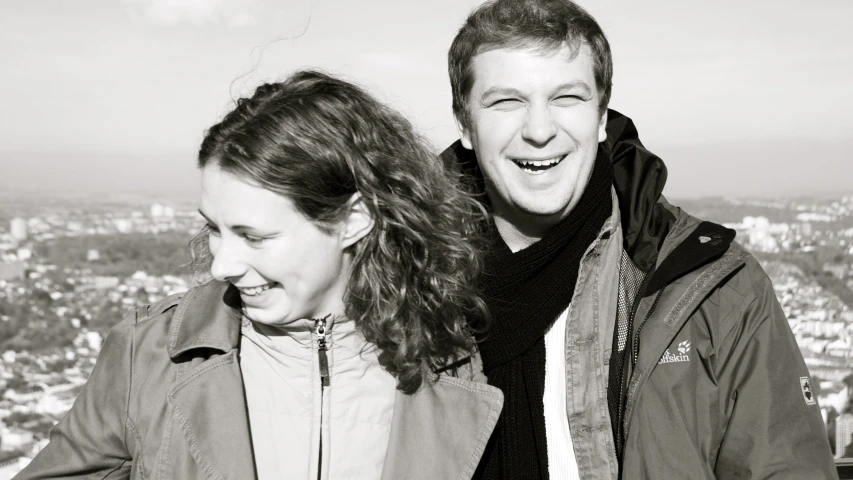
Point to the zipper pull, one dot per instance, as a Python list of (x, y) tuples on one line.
[(320, 331)]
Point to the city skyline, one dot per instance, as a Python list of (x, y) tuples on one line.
[(738, 99)]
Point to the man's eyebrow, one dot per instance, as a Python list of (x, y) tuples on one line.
[(576, 84), (510, 92)]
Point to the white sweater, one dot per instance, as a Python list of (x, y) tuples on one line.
[(562, 464)]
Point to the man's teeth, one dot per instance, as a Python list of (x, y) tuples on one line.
[(537, 167), (255, 290), (539, 163)]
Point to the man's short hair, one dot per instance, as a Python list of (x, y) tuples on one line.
[(539, 24)]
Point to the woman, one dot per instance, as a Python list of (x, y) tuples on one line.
[(331, 341)]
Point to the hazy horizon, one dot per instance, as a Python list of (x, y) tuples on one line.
[(109, 96)]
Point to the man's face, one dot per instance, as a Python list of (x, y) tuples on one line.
[(534, 124)]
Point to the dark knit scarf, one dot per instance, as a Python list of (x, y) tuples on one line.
[(526, 291)]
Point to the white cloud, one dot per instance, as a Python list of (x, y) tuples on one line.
[(231, 13)]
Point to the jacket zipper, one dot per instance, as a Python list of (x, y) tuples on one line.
[(635, 304), (635, 352), (635, 349), (322, 348)]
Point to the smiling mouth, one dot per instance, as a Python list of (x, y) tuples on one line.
[(255, 291), (537, 167)]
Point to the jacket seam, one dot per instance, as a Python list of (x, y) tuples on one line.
[(165, 448), (216, 363), (492, 419), (602, 386), (748, 299), (128, 421), (129, 389), (138, 458), (745, 300), (117, 468), (474, 459), (193, 446), (727, 260), (467, 385), (180, 317), (182, 419)]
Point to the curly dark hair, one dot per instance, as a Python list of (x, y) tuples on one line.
[(317, 140), (538, 24)]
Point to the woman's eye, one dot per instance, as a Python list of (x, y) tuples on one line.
[(252, 240), (212, 230)]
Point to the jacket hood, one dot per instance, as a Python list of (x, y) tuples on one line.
[(639, 179)]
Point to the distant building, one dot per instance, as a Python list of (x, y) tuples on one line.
[(123, 225), (94, 340), (157, 210), (25, 254), (12, 271), (105, 282), (16, 438), (815, 217), (837, 270), (18, 229)]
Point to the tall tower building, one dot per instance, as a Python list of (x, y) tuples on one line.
[(18, 228)]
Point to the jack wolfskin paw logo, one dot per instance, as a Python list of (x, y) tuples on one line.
[(808, 395), (714, 238), (684, 347)]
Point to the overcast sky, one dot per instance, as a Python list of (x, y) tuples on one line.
[(739, 98)]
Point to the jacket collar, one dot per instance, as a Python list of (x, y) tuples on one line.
[(691, 243), (208, 316), (448, 418)]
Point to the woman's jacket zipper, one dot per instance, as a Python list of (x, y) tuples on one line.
[(322, 356)]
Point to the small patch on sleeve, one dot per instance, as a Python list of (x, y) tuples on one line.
[(806, 387)]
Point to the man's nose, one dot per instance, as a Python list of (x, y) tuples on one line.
[(540, 128), (228, 261)]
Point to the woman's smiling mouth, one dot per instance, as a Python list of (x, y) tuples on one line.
[(255, 291)]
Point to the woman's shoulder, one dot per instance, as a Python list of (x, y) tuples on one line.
[(179, 320), (165, 306)]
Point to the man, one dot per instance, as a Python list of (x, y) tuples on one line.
[(629, 338)]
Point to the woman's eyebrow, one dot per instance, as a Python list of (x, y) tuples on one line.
[(231, 227)]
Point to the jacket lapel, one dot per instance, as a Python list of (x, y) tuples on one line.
[(209, 408), (207, 400), (441, 430)]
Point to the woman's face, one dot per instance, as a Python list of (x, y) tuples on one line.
[(284, 266)]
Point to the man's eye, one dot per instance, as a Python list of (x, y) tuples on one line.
[(505, 102), (568, 99)]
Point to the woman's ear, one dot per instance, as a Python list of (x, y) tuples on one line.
[(358, 222)]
